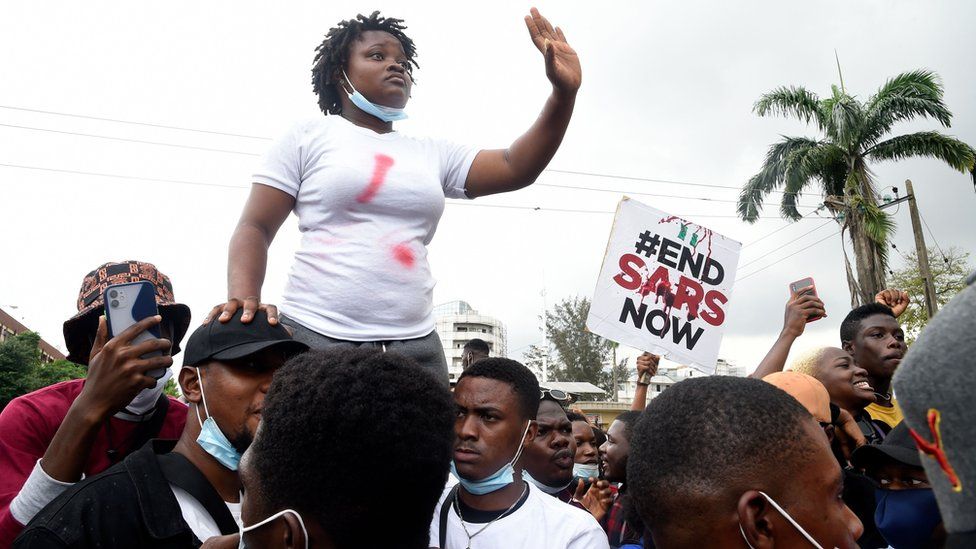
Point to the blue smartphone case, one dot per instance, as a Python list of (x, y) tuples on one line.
[(127, 304)]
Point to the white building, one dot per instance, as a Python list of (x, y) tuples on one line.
[(458, 323), (658, 384), (725, 368)]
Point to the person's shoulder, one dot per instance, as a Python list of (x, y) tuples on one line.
[(48, 402), (558, 510), (75, 507)]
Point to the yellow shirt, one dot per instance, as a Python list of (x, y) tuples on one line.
[(889, 415)]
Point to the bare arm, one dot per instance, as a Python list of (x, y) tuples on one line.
[(798, 309), (646, 364), (116, 373), (265, 211), (503, 170)]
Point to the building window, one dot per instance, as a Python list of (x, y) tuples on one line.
[(657, 388)]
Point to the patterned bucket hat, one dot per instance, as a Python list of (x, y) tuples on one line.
[(79, 330)]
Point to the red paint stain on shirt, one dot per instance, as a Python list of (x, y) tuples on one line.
[(382, 165), (404, 255)]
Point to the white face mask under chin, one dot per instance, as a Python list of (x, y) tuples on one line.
[(145, 400), (788, 518)]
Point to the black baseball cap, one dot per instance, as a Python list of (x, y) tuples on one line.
[(897, 446), (217, 340)]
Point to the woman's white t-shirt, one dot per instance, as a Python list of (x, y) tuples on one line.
[(367, 205)]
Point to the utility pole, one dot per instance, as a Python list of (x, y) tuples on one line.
[(923, 255)]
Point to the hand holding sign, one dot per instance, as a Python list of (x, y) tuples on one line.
[(664, 285)]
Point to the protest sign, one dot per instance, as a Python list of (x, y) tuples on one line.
[(664, 286)]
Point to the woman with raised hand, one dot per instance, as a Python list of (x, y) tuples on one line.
[(368, 199)]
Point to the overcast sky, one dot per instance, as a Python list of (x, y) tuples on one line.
[(668, 89)]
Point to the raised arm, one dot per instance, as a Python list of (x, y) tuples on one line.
[(646, 364), (503, 170), (798, 310), (265, 211)]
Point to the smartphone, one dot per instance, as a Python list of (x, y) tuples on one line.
[(127, 304), (805, 286)]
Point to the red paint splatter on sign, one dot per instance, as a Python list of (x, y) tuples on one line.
[(380, 169), (404, 255)]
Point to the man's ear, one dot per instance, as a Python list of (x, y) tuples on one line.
[(754, 514), (533, 431), (190, 384), (847, 346), (293, 536)]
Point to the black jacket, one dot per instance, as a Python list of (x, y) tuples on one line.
[(128, 505)]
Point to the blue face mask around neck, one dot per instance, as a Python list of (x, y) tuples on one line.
[(545, 487), (906, 518), (386, 114), (500, 479), (212, 439)]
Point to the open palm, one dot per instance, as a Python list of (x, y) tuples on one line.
[(562, 63)]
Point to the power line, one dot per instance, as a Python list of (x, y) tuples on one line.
[(706, 199), (205, 184), (149, 124), (653, 180), (231, 134), (818, 227), (160, 143), (741, 278), (926, 223)]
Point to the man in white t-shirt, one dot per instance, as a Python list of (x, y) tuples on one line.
[(496, 402), (178, 495)]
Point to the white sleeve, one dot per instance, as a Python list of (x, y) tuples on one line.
[(592, 537), (455, 163), (282, 166), (39, 490)]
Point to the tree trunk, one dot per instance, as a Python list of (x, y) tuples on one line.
[(868, 261)]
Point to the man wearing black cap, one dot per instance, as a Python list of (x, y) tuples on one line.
[(54, 436), (179, 494)]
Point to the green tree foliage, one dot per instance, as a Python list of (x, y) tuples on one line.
[(853, 134), (581, 355), (22, 370), (949, 273)]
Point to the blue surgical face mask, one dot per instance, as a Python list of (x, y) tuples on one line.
[(906, 518), (789, 519), (242, 545), (212, 439), (586, 471), (386, 114), (502, 477), (545, 487)]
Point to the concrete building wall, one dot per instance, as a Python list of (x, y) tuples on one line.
[(457, 323)]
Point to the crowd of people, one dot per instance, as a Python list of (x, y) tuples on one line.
[(321, 423)]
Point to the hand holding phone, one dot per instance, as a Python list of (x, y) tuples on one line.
[(806, 287), (128, 304)]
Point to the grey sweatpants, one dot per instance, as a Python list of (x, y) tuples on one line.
[(426, 350)]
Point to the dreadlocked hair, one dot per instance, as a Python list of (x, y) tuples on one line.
[(333, 54)]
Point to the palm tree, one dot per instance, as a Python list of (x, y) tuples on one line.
[(853, 133)]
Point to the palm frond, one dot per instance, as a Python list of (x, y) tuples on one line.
[(845, 119), (920, 83), (791, 101), (907, 96), (803, 164), (950, 150), (769, 177)]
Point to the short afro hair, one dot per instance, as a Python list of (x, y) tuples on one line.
[(333, 54), (852, 322), (628, 418), (339, 429), (478, 346), (524, 384), (705, 441), (807, 362), (576, 416)]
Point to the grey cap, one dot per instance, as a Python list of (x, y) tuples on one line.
[(936, 383)]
